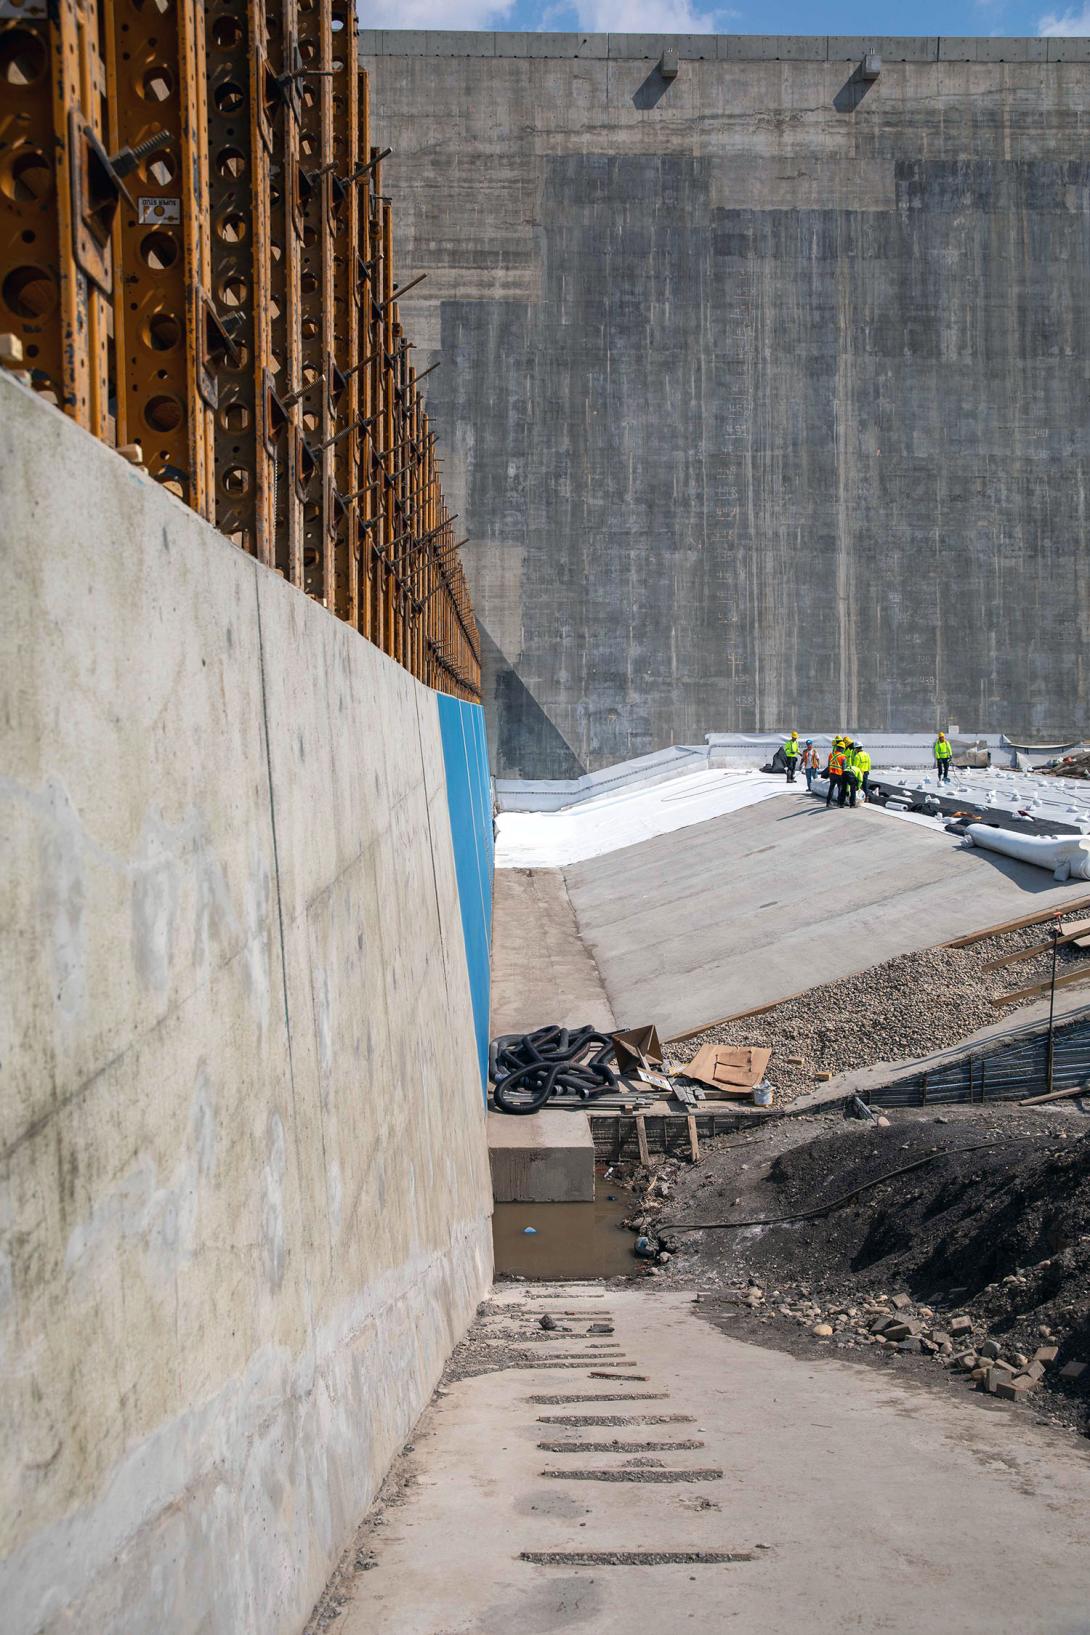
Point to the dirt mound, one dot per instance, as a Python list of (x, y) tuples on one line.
[(989, 1218)]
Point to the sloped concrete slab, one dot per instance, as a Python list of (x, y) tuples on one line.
[(766, 901)]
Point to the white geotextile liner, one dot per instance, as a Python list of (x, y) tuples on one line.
[(548, 840), (1067, 857)]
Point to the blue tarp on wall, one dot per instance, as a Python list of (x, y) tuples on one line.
[(469, 798)]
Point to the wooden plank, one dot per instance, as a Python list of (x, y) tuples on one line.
[(641, 1137), (1041, 987), (957, 942), (1076, 933), (998, 930), (694, 1139), (735, 1016), (1057, 1095)]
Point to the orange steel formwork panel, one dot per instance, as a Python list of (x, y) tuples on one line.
[(197, 264)]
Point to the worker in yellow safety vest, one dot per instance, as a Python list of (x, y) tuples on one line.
[(834, 771), (860, 773), (791, 752), (943, 751)]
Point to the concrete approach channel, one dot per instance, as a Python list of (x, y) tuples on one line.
[(636, 1471)]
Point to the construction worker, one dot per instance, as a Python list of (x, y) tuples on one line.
[(791, 752), (847, 785), (861, 769), (943, 751), (834, 771), (810, 763)]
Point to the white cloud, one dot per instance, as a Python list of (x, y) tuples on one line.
[(1069, 24), (647, 17), (435, 13), (595, 16)]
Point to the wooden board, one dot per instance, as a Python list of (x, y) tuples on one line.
[(956, 942), (736, 1016), (1010, 925), (641, 1137), (1078, 933), (1057, 1095), (1041, 988)]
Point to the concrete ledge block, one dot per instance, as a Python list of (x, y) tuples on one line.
[(1068, 50), (436, 42), (1013, 50), (369, 42), (773, 47), (545, 1158), (691, 47), (518, 44), (971, 48), (891, 48)]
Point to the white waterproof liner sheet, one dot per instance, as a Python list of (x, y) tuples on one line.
[(551, 840)]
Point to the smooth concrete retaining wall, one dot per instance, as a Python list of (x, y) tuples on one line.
[(765, 389), (244, 1195)]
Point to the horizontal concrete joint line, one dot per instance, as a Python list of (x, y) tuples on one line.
[(902, 48), (513, 43)]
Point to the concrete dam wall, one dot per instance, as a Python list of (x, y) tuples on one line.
[(244, 1191), (765, 387)]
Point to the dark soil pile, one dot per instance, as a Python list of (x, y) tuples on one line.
[(994, 1225)]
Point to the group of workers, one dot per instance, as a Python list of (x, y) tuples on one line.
[(848, 766), (847, 769)]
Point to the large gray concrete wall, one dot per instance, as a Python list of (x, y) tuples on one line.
[(765, 391), (244, 1194)]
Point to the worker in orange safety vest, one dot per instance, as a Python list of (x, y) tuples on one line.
[(834, 771)]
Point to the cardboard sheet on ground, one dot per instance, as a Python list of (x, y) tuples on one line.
[(637, 1047), (731, 1070)]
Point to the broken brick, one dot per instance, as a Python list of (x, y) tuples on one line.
[(1014, 1389)]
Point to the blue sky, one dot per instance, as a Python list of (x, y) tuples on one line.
[(1051, 17)]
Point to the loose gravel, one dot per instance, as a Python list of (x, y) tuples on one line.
[(910, 1006)]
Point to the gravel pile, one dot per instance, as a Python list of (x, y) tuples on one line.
[(910, 1006)]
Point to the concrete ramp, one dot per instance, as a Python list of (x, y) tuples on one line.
[(765, 901)]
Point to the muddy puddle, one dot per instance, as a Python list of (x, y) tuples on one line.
[(565, 1240)]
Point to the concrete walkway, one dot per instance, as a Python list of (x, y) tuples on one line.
[(781, 1494), (541, 971)]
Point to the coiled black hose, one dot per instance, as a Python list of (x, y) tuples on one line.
[(527, 1068)]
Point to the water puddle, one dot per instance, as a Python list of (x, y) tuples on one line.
[(567, 1240)]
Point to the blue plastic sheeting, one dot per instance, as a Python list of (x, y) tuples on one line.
[(469, 799)]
